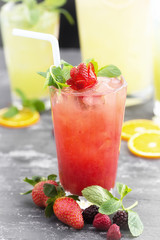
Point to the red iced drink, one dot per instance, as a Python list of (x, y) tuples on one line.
[(87, 127)]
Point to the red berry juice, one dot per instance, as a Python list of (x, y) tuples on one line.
[(87, 127)]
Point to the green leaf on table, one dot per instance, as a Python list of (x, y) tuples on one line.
[(134, 223), (49, 190), (109, 71), (11, 112), (123, 189), (52, 177), (110, 206), (96, 194), (49, 210)]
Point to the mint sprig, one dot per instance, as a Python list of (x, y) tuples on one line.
[(109, 71), (32, 104), (108, 204), (33, 9), (57, 76)]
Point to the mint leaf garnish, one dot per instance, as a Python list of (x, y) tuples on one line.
[(11, 112), (123, 189), (66, 72), (110, 206), (49, 190), (95, 64), (134, 223), (109, 71), (56, 77), (64, 63), (96, 194), (43, 74)]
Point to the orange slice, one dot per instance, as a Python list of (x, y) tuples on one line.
[(131, 127), (146, 144), (24, 118)]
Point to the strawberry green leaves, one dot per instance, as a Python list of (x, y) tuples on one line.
[(108, 204)]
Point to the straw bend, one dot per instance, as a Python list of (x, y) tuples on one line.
[(42, 36)]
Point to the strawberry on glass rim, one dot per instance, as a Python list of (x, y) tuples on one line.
[(82, 76)]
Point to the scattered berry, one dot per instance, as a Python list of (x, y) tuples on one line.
[(82, 76), (102, 222), (121, 219), (38, 196), (69, 212), (114, 233), (89, 213)]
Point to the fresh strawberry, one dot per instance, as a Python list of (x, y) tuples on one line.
[(38, 196), (102, 222), (69, 212), (114, 233), (82, 76)]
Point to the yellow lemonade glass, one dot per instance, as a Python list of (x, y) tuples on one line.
[(25, 56), (119, 32)]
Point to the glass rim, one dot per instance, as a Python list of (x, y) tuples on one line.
[(89, 92)]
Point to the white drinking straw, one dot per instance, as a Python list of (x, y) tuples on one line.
[(41, 36)]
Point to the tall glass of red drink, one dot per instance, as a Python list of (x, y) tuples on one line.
[(87, 127)]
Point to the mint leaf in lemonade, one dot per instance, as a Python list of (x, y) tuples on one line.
[(88, 108)]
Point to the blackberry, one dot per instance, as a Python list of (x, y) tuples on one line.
[(89, 213), (121, 219)]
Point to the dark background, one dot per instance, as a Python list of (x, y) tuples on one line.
[(68, 37)]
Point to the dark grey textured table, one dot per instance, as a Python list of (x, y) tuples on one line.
[(31, 151)]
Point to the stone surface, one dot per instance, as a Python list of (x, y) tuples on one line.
[(31, 151)]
